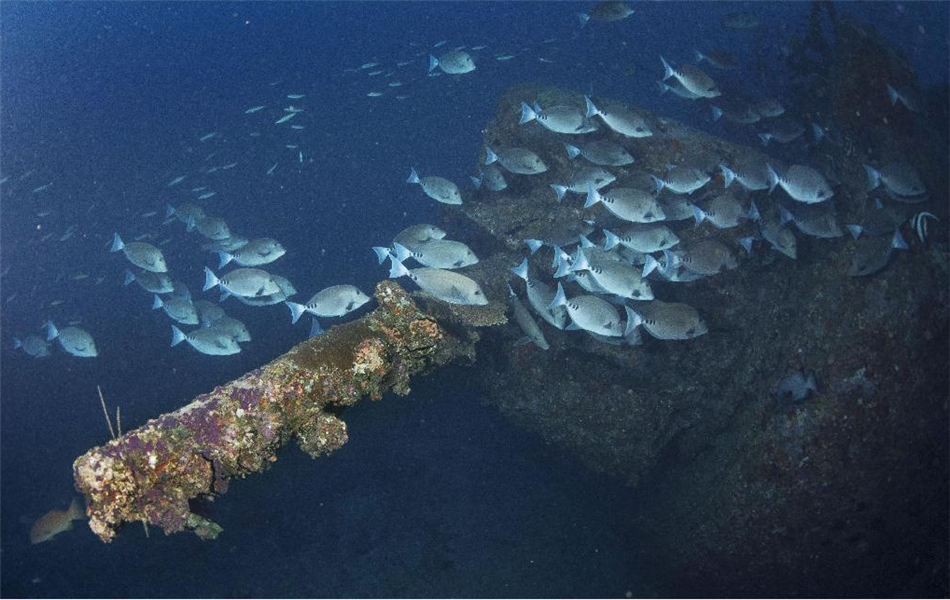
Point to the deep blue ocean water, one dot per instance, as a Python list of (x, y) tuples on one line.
[(435, 494)]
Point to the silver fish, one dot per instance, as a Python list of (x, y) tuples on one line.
[(438, 254), (212, 228), (629, 204), (249, 283), (156, 283), (492, 178), (334, 301), (802, 183), (775, 232), (438, 188), (540, 296), (590, 313), (516, 160), (613, 276), (741, 114), (673, 85), (228, 244), (207, 340), (185, 213), (286, 291), (682, 180), (752, 174), (643, 237), (721, 59), (580, 180), (261, 251), (769, 108), (724, 212), (783, 131), (601, 152), (453, 62), (619, 120), (559, 118), (527, 323), (142, 255), (704, 257), (667, 320), (208, 312), (178, 309), (412, 236), (692, 78), (73, 340), (901, 181), (33, 345), (232, 326), (816, 220), (447, 286)]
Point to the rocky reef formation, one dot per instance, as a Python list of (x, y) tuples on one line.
[(844, 493), (155, 473)]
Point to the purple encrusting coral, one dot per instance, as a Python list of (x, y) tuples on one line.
[(151, 473)]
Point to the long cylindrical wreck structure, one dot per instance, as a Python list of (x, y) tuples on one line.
[(151, 474)]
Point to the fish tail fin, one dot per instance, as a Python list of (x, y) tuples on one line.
[(754, 214), (583, 18), (522, 269), (667, 69), (295, 311), (746, 244), (398, 269), (177, 336), (611, 240), (560, 190), (17, 344), (157, 302), (593, 196), (874, 177), (898, 241), (650, 265), (572, 151), (765, 137), (558, 255), (892, 94), (490, 156), (786, 216), (413, 177), (660, 184), (698, 214), (533, 245), (381, 253), (563, 267), (586, 243), (476, 181), (169, 211), (700, 57), (129, 277), (315, 328), (773, 178), (51, 331), (559, 298), (527, 114), (116, 244), (402, 253), (591, 109), (634, 320), (810, 382), (580, 263), (211, 280), (662, 87), (226, 257), (716, 112), (728, 175), (190, 225), (855, 230), (76, 511), (818, 132), (433, 63)]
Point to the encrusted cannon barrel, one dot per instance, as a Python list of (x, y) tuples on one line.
[(150, 474)]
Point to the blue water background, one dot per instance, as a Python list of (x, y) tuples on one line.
[(435, 494)]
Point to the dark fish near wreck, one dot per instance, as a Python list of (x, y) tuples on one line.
[(532, 333), (606, 12), (796, 387), (872, 254)]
